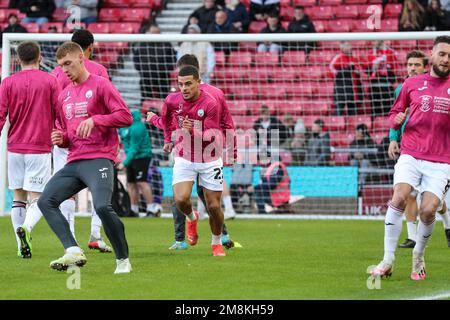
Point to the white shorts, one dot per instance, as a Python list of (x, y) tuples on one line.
[(59, 158), (29, 172), (210, 174), (422, 175)]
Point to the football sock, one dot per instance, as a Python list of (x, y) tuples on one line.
[(392, 230), (424, 232), (412, 230), (18, 213)]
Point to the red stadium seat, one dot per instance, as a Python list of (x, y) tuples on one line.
[(256, 26), (355, 1), (142, 3), (335, 123), (340, 158), (320, 25), (236, 107), (152, 104), (287, 13), (124, 27), (46, 26), (157, 5), (244, 122), (360, 25), (240, 58), (425, 45), (231, 75), (321, 56), (313, 72), (120, 47), (353, 121), (285, 3), (323, 89), (110, 14), (297, 91), (381, 124), (239, 92), (321, 108), (60, 15), (270, 91), (340, 26), (322, 12), (341, 139), (283, 74), (247, 46), (3, 16), (346, 11), (109, 60), (389, 25), (392, 10), (263, 59), (68, 29), (330, 2), (305, 3), (31, 27), (378, 136), (98, 27), (135, 14), (220, 58), (117, 3), (404, 44), (4, 4), (293, 107), (368, 10), (293, 58), (261, 74)]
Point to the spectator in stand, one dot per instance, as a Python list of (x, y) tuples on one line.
[(222, 25), (37, 11), (298, 144), (88, 9), (269, 124), (192, 20), (48, 50), (318, 148), (362, 159), (289, 125), (14, 26), (154, 61), (241, 187), (412, 16), (347, 82), (301, 24), (273, 26), (381, 63), (260, 9), (238, 15), (204, 52), (206, 14), (436, 19)]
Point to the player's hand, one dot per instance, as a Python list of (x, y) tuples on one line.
[(188, 124), (150, 115), (393, 150), (57, 137), (168, 147), (85, 128), (401, 117)]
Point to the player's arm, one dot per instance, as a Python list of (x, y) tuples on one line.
[(399, 110), (166, 121), (155, 120), (119, 115), (4, 98)]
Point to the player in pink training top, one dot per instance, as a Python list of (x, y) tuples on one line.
[(93, 110), (86, 41), (424, 163), (197, 151), (30, 98)]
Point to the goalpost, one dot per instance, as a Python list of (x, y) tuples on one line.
[(297, 85)]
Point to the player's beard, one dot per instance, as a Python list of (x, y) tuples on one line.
[(439, 72)]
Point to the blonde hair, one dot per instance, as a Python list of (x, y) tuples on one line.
[(66, 48)]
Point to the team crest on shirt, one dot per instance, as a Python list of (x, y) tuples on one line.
[(88, 94), (425, 101), (200, 112), (69, 112)]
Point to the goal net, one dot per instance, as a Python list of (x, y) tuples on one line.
[(322, 98)]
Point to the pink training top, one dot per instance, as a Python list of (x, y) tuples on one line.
[(427, 134), (91, 66), (204, 144), (96, 98), (30, 98)]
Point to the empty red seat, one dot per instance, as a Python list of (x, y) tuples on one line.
[(57, 25), (4, 3), (152, 104), (320, 25), (404, 44), (321, 108), (341, 139), (239, 92), (287, 13), (157, 4), (220, 58), (247, 46), (369, 10), (3, 16), (236, 107), (263, 59), (135, 14), (321, 56), (305, 3), (117, 3), (110, 14), (231, 75), (320, 12), (256, 26), (378, 136), (261, 74), (353, 121), (293, 58), (298, 90), (323, 89), (360, 25), (68, 28), (389, 25), (270, 91), (98, 27), (240, 58), (315, 73), (339, 26), (31, 27), (118, 46), (392, 10), (355, 1), (346, 11), (330, 2), (425, 44), (381, 124), (340, 158), (284, 74), (285, 3), (108, 60), (142, 3), (124, 27), (335, 123), (60, 14)]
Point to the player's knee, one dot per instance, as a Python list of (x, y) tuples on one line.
[(45, 202), (428, 213), (214, 208), (102, 210), (399, 200), (182, 199)]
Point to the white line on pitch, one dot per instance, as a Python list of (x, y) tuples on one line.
[(440, 296)]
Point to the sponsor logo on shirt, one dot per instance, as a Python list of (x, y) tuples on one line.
[(88, 94), (425, 101), (424, 86)]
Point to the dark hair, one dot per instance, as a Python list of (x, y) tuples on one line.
[(28, 52), (274, 14), (188, 60), (418, 54), (362, 127), (319, 122), (83, 37), (441, 39), (189, 71), (13, 15), (264, 108)]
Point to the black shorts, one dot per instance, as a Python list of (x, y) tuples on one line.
[(138, 169)]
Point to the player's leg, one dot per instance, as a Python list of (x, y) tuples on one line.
[(229, 212), (140, 167), (63, 185), (179, 224), (18, 213), (95, 239), (411, 212), (445, 217), (98, 176)]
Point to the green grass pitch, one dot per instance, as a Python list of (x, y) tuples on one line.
[(280, 259)]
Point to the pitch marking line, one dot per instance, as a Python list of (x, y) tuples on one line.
[(439, 296)]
